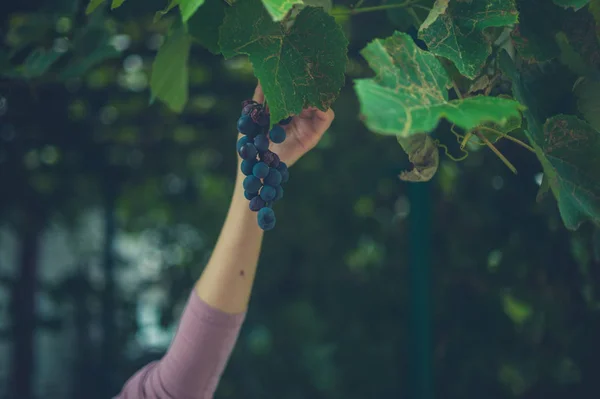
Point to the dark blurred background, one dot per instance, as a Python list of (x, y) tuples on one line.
[(369, 287)]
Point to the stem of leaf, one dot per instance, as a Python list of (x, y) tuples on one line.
[(507, 136), (497, 152), (465, 140), (373, 8)]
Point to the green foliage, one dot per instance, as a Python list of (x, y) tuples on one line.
[(587, 91), (297, 67), (576, 4), (204, 26), (567, 148), (93, 4), (278, 9), (298, 52), (456, 30), (409, 94), (169, 80)]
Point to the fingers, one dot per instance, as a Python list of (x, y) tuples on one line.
[(259, 95)]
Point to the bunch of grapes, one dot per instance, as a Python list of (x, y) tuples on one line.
[(264, 171)]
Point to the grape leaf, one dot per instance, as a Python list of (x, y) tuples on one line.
[(423, 154), (570, 158), (587, 91), (300, 67), (567, 148), (583, 35), (279, 8), (189, 8), (92, 5), (327, 5), (169, 79), (409, 92), (455, 30), (533, 37), (116, 4), (204, 26), (576, 4)]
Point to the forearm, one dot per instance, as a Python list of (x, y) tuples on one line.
[(227, 280)]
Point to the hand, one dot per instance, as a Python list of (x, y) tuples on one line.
[(303, 133)]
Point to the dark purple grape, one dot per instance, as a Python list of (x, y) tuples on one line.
[(261, 142), (241, 142), (249, 196), (256, 204), (285, 174), (268, 193), (266, 218), (273, 178), (267, 157), (247, 126), (248, 106), (263, 119), (285, 121), (247, 165), (260, 170), (277, 134), (279, 194), (252, 184), (276, 161), (247, 151)]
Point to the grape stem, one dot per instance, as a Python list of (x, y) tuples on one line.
[(360, 10), (497, 152), (507, 136)]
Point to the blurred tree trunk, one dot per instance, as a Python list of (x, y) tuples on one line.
[(109, 348), (23, 302), (85, 364)]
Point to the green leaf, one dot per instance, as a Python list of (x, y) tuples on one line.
[(571, 58), (533, 37), (38, 62), (188, 8), (159, 14), (116, 4), (455, 30), (91, 46), (278, 9), (169, 80), (204, 26), (543, 191), (583, 34), (409, 92), (568, 149), (298, 68), (326, 5), (587, 91), (92, 5), (576, 4), (423, 154)]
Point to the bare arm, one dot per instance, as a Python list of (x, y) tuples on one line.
[(212, 319), (227, 280)]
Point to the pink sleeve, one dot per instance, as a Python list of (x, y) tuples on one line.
[(193, 365)]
